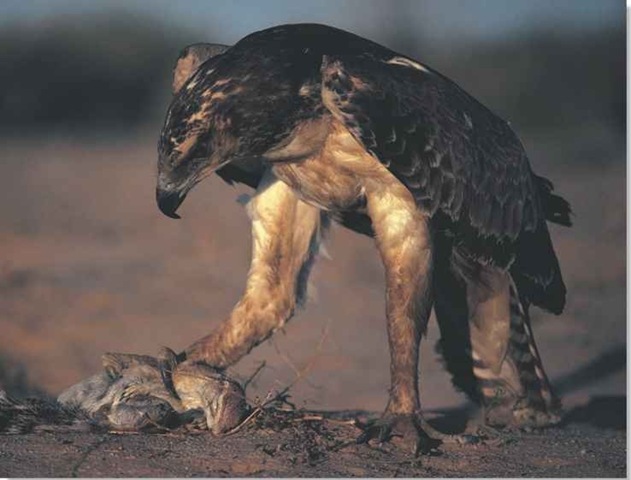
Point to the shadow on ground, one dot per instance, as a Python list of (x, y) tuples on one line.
[(604, 411)]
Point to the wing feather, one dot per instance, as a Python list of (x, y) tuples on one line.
[(461, 163), (457, 158)]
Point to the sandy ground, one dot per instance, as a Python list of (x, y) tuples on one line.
[(309, 451), (89, 265)]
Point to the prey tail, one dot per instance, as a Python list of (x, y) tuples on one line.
[(39, 415)]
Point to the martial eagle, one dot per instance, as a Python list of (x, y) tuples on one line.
[(326, 125)]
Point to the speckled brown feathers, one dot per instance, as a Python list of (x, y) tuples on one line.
[(463, 164), (326, 124), (451, 152), (190, 59)]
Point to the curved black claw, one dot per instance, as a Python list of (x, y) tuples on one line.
[(497, 436), (168, 360), (404, 431), (452, 438)]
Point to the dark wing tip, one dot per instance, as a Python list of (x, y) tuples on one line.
[(556, 208)]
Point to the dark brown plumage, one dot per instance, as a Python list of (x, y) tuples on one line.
[(327, 123)]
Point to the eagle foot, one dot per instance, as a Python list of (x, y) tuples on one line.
[(522, 415), (449, 438), (496, 436), (404, 431), (528, 418)]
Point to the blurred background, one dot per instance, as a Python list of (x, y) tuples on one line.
[(89, 265)]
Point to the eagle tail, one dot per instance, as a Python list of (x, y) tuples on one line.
[(536, 268), (536, 271), (555, 208)]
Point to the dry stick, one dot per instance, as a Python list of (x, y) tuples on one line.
[(308, 418), (299, 376), (289, 362), (312, 418), (253, 414), (253, 376), (307, 368), (74, 470)]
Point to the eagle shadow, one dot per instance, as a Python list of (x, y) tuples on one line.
[(603, 411)]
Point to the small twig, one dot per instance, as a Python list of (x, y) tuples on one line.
[(352, 422), (245, 421), (279, 397), (291, 408), (307, 368), (287, 359), (74, 469), (308, 418), (254, 375), (257, 410), (312, 418)]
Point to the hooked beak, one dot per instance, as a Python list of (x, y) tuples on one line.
[(170, 195), (169, 201)]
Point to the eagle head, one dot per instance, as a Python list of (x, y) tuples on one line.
[(186, 149), (233, 105)]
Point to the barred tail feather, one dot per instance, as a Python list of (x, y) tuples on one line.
[(525, 353), (519, 391)]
